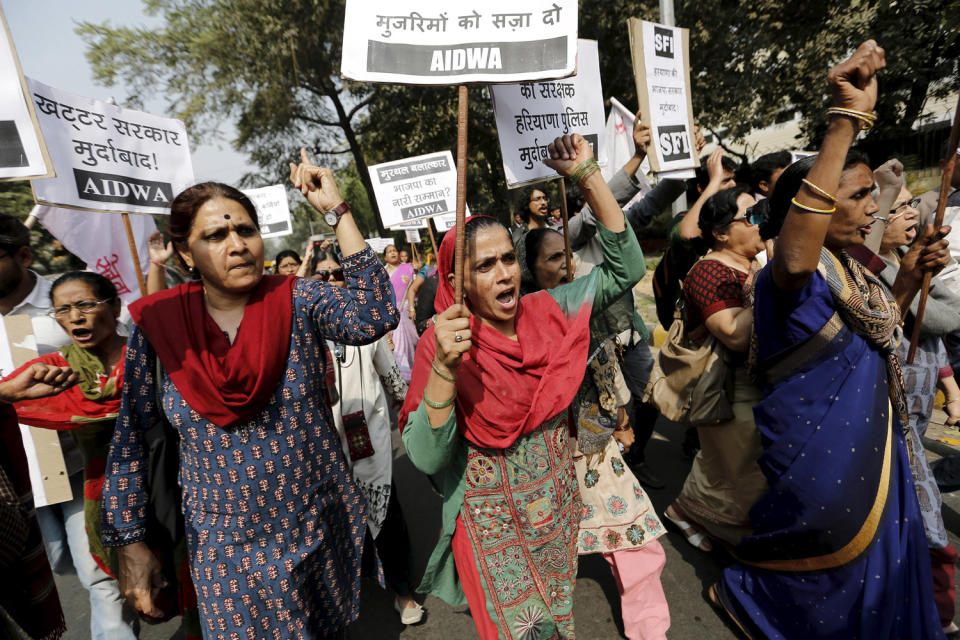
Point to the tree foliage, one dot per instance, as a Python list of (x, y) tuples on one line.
[(272, 67)]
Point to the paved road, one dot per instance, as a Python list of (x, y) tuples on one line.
[(596, 605)]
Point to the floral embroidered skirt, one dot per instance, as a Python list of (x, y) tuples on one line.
[(520, 513), (616, 512)]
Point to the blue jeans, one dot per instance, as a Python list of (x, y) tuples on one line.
[(65, 538)]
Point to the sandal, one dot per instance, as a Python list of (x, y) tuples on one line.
[(694, 536)]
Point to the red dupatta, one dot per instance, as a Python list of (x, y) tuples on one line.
[(507, 388), (71, 409), (225, 383)]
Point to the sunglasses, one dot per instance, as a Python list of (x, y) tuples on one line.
[(327, 276), (749, 216)]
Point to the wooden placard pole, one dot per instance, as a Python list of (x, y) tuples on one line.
[(566, 229), (461, 194), (937, 223), (133, 253), (433, 241)]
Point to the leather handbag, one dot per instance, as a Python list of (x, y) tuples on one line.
[(691, 382)]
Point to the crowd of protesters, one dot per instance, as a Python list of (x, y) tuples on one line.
[(230, 445)]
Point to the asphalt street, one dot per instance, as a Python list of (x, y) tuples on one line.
[(596, 605)]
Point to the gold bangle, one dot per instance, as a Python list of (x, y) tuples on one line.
[(818, 190), (866, 120), (583, 169), (813, 210), (440, 405), (437, 371), (592, 170)]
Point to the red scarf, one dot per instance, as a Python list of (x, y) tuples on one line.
[(70, 409), (224, 383), (507, 388)]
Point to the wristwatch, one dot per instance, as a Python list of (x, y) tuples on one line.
[(333, 216)]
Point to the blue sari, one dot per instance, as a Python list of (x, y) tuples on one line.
[(838, 549)]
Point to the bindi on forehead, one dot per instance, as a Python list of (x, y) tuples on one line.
[(226, 216)]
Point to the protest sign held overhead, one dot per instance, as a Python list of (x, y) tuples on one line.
[(445, 222), (530, 115), (661, 69), (413, 224), (413, 235), (437, 43), (415, 188), (273, 210), (379, 245), (108, 158), (23, 153)]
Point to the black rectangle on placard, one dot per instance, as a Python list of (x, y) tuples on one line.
[(276, 227), (593, 140), (110, 187), (500, 58), (674, 141), (11, 146), (664, 43), (425, 209)]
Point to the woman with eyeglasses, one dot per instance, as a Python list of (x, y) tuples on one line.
[(78, 389), (366, 379), (724, 480)]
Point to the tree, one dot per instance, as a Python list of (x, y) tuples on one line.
[(271, 66), (49, 256)]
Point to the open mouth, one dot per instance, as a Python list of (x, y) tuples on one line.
[(81, 334), (508, 299)]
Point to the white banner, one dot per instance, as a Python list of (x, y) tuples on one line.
[(413, 235), (23, 153), (437, 42), (273, 210), (530, 115), (663, 85), (379, 245), (413, 224), (100, 240), (108, 158), (415, 188), (446, 222)]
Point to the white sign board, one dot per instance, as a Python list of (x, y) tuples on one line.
[(273, 210), (530, 115), (471, 41), (446, 222), (415, 188), (108, 158), (379, 245), (413, 235), (22, 150), (413, 224), (662, 74)]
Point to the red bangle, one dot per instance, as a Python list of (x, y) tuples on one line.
[(159, 264)]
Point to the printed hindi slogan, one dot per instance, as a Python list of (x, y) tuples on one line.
[(108, 158), (660, 66), (273, 210), (530, 115), (438, 42), (415, 188)]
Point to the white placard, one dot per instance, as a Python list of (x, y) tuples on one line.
[(413, 235), (663, 85), (438, 42), (530, 115), (108, 158), (446, 222), (379, 245), (23, 153), (415, 188), (273, 210)]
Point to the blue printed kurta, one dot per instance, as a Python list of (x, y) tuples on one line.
[(275, 524)]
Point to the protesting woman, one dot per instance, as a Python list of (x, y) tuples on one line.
[(365, 377), (77, 389), (724, 480), (275, 524), (838, 548), (487, 417), (405, 337), (617, 519)]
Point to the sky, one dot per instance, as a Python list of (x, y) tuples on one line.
[(50, 51)]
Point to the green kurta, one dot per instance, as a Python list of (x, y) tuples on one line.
[(442, 453)]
